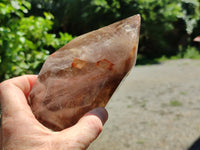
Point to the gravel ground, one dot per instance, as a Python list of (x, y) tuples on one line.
[(157, 107)]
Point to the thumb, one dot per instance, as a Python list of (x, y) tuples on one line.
[(88, 127)]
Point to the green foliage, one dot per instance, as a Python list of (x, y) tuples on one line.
[(175, 103), (191, 12), (25, 41), (192, 53), (166, 24), (189, 53)]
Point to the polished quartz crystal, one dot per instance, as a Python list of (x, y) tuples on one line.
[(84, 73)]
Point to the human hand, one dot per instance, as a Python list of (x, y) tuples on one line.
[(21, 131)]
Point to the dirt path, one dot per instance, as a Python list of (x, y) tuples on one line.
[(157, 107)]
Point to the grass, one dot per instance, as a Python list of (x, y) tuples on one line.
[(188, 53), (183, 93), (175, 103), (140, 142), (129, 106), (192, 53)]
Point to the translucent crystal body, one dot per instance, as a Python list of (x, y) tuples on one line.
[(84, 73)]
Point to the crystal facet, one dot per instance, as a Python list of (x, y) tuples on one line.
[(84, 73)]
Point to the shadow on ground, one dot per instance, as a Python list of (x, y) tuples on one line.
[(195, 145)]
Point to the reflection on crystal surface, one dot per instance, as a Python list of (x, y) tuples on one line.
[(84, 73)]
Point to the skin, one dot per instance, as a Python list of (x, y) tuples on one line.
[(21, 131)]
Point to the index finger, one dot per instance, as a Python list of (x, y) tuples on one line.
[(24, 83), (13, 93)]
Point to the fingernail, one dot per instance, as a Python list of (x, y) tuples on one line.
[(101, 113)]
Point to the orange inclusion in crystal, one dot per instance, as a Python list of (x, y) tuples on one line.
[(78, 63), (105, 64)]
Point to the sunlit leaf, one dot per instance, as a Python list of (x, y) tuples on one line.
[(15, 4)]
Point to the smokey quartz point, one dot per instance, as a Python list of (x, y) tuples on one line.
[(84, 73)]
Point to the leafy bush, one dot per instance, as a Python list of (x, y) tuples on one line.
[(189, 53), (192, 53), (166, 24), (25, 41)]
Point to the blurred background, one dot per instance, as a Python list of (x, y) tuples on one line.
[(30, 30)]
